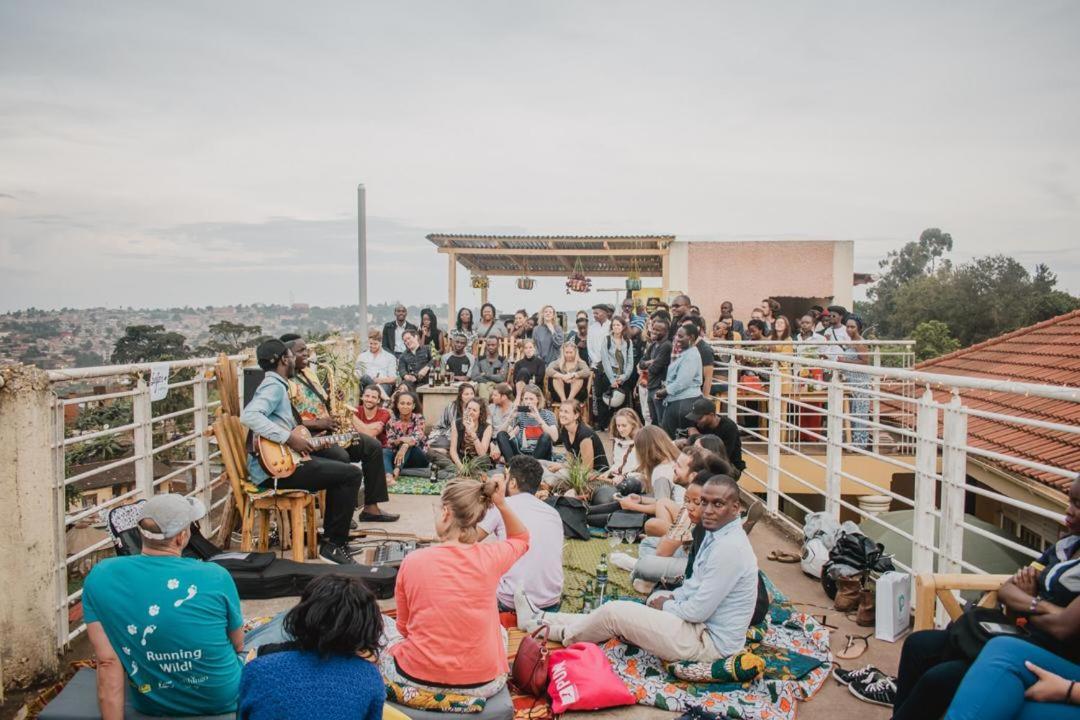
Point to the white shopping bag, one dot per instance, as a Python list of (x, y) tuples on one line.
[(893, 606)]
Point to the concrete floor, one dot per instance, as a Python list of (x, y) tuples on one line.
[(833, 701)]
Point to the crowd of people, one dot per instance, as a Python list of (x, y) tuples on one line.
[(173, 637)]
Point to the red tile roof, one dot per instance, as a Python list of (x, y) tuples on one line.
[(1047, 353)]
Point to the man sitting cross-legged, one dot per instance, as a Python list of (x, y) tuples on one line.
[(165, 626), (311, 403), (703, 620), (270, 415), (540, 570)]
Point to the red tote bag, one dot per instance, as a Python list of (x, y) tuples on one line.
[(582, 679)]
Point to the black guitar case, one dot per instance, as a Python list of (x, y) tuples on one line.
[(258, 575)]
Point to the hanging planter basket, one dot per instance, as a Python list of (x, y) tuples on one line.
[(577, 282), (633, 284), (480, 282), (526, 283)]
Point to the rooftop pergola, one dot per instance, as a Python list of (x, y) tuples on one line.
[(554, 255)]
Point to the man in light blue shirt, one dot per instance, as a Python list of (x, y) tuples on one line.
[(704, 620)]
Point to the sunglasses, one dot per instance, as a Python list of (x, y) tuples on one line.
[(717, 504)]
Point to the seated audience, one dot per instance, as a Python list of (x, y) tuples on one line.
[(624, 428), (471, 434), (579, 439), (439, 437), (447, 635), (270, 414), (664, 484), (519, 328), (415, 363), (568, 376), (682, 385), (166, 626), (405, 438), (539, 572), (548, 335), (529, 370), (705, 619), (931, 668), (377, 366), (489, 369), (501, 410), (328, 669), (458, 361), (1013, 679), (531, 429), (727, 316), (489, 325), (371, 417), (393, 334), (704, 420)]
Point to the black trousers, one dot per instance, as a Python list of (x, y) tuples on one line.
[(341, 481), (929, 675), (509, 447), (674, 418), (601, 411), (367, 451)]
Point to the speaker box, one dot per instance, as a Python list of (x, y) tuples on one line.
[(252, 377)]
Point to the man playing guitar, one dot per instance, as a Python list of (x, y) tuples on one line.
[(270, 415), (311, 404)]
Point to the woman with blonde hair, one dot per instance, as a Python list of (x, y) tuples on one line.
[(656, 456), (447, 636), (568, 374), (547, 335), (624, 428)]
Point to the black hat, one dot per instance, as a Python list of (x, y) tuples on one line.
[(701, 407), (270, 351)]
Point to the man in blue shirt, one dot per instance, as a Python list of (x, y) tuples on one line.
[(270, 415), (166, 626), (703, 620)]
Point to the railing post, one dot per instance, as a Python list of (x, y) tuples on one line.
[(875, 402), (834, 433), (202, 449), (772, 485), (732, 389), (926, 424), (63, 623), (953, 482), (142, 414)]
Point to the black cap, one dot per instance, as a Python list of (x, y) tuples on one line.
[(270, 350), (701, 407)]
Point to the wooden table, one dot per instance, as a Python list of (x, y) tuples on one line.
[(435, 399)]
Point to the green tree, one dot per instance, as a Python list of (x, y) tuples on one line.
[(900, 267), (149, 343), (932, 339), (230, 337)]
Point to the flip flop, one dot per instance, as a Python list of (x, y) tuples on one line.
[(852, 649), (784, 557)]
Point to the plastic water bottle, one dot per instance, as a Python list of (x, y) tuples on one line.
[(601, 579)]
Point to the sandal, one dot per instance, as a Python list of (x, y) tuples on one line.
[(784, 557), (823, 621), (852, 649)]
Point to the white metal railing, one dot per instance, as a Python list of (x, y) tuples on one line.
[(177, 425), (905, 429)]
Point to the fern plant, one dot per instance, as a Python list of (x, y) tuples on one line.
[(578, 479), (474, 467)]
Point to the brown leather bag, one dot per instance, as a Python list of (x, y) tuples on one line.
[(530, 671)]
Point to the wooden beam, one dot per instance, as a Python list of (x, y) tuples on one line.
[(452, 288), (524, 252), (562, 258), (561, 273), (665, 274)]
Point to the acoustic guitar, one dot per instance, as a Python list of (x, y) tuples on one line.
[(280, 461)]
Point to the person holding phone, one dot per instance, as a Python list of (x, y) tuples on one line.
[(532, 429)]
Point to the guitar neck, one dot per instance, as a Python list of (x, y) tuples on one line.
[(325, 440)]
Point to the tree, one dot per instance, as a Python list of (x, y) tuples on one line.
[(149, 343), (932, 339), (915, 260), (230, 337)]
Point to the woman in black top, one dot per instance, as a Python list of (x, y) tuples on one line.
[(578, 438), (530, 369), (430, 332), (471, 434)]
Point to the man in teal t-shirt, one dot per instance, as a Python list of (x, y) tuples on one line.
[(168, 625)]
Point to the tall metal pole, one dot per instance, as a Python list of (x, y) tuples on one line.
[(361, 265)]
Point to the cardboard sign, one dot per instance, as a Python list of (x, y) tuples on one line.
[(159, 381)]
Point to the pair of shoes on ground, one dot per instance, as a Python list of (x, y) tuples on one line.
[(869, 684)]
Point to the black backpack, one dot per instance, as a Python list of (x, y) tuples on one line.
[(574, 513)]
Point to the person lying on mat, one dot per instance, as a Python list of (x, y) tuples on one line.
[(328, 670), (166, 626), (447, 633), (703, 620), (540, 570)]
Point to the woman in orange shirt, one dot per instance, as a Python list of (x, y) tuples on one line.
[(447, 635)]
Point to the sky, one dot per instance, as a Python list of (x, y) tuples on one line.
[(205, 153)]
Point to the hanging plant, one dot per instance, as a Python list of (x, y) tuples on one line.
[(525, 283), (633, 279), (577, 282), (480, 282)]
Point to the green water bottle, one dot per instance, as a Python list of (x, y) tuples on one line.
[(601, 579)]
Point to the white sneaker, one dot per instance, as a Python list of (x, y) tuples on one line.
[(529, 617), (623, 561)]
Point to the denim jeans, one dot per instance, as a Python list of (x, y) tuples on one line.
[(415, 457)]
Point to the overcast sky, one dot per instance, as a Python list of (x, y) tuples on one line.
[(165, 153)]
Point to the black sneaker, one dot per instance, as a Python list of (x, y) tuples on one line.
[(335, 554), (862, 675), (879, 690)]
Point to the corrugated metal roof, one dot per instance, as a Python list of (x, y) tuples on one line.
[(1046, 353), (558, 254)]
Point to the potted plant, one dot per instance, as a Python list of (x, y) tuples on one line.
[(480, 282), (580, 479), (525, 283), (474, 467), (633, 284)]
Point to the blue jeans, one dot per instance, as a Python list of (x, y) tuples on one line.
[(415, 457), (993, 689)]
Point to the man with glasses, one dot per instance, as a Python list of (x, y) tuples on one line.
[(680, 312), (704, 620)]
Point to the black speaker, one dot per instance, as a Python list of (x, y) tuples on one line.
[(252, 377)]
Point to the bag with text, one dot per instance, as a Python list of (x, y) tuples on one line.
[(582, 679)]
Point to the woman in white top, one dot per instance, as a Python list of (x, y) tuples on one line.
[(656, 456), (624, 428)]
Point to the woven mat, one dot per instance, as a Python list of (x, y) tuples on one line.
[(580, 558), (407, 485)]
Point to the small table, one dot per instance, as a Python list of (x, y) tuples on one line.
[(435, 398)]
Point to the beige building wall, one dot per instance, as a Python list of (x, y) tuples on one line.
[(747, 271)]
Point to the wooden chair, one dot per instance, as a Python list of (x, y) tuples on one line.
[(227, 385), (929, 588), (296, 505)]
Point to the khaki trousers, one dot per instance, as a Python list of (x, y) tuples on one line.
[(661, 633)]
